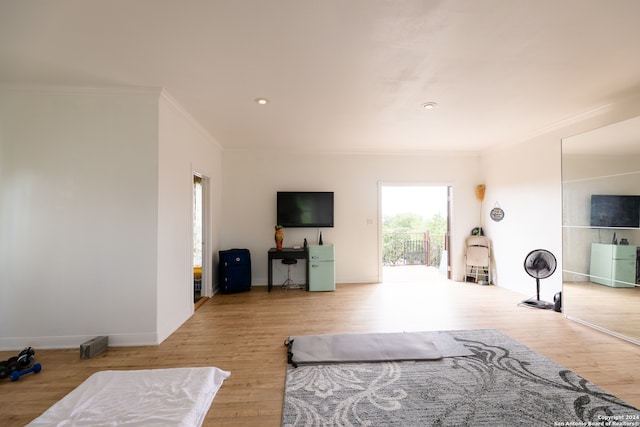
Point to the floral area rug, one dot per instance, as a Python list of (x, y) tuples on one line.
[(503, 383)]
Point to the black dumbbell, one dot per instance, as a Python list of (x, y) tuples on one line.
[(8, 366)]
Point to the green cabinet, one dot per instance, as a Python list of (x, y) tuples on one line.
[(613, 265)]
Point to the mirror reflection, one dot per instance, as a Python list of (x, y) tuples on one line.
[(601, 228)]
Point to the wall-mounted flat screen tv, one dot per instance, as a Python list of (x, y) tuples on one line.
[(305, 208), (615, 211)]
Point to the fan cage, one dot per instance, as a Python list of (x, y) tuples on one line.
[(549, 267)]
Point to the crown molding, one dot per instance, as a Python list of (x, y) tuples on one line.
[(175, 104), (369, 153), (84, 90)]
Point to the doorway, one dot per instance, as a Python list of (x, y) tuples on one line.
[(415, 227), (199, 232)]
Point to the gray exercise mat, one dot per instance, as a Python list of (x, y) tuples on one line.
[(373, 347)]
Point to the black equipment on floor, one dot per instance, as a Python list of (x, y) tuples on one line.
[(16, 366), (557, 302), (234, 270)]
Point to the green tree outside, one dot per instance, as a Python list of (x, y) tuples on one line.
[(410, 227)]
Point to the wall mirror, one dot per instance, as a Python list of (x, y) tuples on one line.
[(601, 228)]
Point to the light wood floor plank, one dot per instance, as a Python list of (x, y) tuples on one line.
[(245, 334)]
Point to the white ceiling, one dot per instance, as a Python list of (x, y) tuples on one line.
[(341, 74)]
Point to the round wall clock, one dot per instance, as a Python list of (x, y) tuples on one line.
[(497, 214)]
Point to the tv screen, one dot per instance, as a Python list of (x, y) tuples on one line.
[(615, 211), (305, 208)]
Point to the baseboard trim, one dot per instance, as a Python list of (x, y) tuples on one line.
[(63, 342)]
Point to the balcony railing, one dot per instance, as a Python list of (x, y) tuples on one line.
[(412, 249)]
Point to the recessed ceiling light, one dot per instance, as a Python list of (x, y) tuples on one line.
[(262, 101), (429, 105)]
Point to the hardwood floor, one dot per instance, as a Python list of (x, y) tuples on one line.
[(245, 334)]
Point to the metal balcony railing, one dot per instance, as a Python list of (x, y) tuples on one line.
[(412, 249), (406, 249)]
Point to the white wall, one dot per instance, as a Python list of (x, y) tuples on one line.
[(251, 179), (185, 149), (78, 216), (95, 215), (525, 179)]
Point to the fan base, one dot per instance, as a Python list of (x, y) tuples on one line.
[(534, 303)]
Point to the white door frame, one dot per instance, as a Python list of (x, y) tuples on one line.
[(206, 289), (414, 184)]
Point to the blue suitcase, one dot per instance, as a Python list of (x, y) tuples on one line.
[(234, 270)]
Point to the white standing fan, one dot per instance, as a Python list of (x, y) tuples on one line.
[(539, 264)]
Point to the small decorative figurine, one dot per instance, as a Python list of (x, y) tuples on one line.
[(279, 237)]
